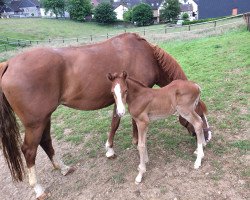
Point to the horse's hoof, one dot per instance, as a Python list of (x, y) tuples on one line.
[(69, 171), (43, 196), (110, 153)]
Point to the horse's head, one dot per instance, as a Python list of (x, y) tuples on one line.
[(200, 110), (119, 90)]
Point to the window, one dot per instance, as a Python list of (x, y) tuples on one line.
[(235, 11)]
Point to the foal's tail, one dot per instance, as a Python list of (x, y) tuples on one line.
[(10, 137)]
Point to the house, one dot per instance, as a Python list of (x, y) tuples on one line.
[(23, 8), (221, 8), (156, 6), (5, 10), (120, 9), (190, 7)]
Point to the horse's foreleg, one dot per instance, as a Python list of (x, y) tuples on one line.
[(114, 126), (29, 148), (135, 132), (46, 144), (142, 138)]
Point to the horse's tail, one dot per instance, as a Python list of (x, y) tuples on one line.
[(202, 106), (10, 137), (170, 67)]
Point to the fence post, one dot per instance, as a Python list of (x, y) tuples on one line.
[(30, 41), (189, 27), (214, 23), (76, 39), (63, 40), (91, 38), (144, 32), (125, 31), (36, 42), (7, 40), (5, 47), (18, 42), (165, 30), (49, 40), (107, 36)]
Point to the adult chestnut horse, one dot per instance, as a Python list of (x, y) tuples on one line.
[(35, 82)]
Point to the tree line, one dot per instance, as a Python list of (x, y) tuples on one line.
[(83, 10)]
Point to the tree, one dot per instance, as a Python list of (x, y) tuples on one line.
[(79, 9), (171, 10), (185, 16), (142, 14), (56, 6), (104, 13), (127, 16)]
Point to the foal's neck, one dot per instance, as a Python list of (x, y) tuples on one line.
[(135, 88)]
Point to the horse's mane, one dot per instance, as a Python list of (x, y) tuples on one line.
[(137, 82), (168, 64)]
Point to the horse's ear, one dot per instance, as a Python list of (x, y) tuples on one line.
[(110, 77), (124, 74)]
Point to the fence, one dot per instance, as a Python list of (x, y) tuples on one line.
[(8, 43), (246, 16)]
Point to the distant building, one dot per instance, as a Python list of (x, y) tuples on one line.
[(221, 8)]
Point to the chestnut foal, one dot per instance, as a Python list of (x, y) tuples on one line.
[(146, 104)]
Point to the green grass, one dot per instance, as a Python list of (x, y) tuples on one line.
[(220, 64)]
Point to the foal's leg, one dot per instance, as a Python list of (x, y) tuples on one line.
[(46, 144), (114, 126), (196, 121), (142, 138), (32, 139)]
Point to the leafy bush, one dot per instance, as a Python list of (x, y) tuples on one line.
[(79, 9), (185, 16), (104, 13), (142, 14), (127, 16)]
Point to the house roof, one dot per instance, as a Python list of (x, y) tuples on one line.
[(29, 3), (220, 8), (155, 4), (186, 7), (5, 8)]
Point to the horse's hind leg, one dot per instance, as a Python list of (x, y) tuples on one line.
[(33, 134), (46, 144)]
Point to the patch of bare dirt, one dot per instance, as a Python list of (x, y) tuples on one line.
[(167, 177)]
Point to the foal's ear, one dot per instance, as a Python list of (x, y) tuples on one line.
[(124, 74), (110, 77)]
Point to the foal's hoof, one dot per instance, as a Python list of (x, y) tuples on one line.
[(44, 196), (68, 171)]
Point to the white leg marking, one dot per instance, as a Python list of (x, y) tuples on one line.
[(33, 182), (58, 164), (110, 151), (209, 132), (200, 155), (120, 106)]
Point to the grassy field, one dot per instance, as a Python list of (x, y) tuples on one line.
[(221, 66), (22, 32)]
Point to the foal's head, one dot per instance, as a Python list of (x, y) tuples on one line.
[(119, 90)]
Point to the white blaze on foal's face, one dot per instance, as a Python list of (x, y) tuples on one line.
[(118, 98)]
